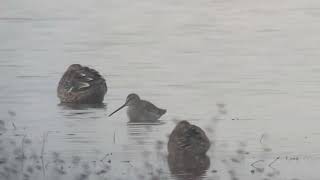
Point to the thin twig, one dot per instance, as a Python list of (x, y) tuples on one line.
[(253, 164), (14, 126), (262, 136), (128, 163), (45, 136), (12, 114), (270, 164), (114, 137), (104, 157), (22, 154)]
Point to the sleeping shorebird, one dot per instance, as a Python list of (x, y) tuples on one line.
[(140, 110), (81, 85), (189, 139)]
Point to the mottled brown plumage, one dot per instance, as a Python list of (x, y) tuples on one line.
[(140, 110), (81, 85), (188, 139)]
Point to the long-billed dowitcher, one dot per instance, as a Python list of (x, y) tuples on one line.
[(81, 85), (189, 139), (140, 110)]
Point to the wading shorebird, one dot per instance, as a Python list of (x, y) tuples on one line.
[(81, 85), (189, 139), (140, 110)]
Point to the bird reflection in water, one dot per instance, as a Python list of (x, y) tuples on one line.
[(69, 106), (188, 167), (82, 111), (143, 133)]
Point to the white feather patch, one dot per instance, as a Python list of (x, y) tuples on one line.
[(83, 85), (89, 79), (70, 89)]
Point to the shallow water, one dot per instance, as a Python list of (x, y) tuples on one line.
[(245, 71)]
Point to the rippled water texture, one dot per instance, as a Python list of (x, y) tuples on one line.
[(246, 71)]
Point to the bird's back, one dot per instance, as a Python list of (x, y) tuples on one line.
[(145, 111), (82, 85), (187, 138)]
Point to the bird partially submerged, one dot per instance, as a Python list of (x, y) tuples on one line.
[(188, 139), (81, 85), (140, 110)]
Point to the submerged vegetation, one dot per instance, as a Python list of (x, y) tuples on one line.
[(24, 158)]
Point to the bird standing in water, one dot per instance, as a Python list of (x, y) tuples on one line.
[(140, 110), (81, 85), (189, 139)]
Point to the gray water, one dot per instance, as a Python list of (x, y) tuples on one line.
[(246, 71)]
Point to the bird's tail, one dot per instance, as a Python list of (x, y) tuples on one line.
[(163, 111)]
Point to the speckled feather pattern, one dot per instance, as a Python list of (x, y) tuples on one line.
[(144, 111), (188, 138), (81, 85)]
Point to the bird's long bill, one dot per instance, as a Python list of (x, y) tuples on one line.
[(118, 109)]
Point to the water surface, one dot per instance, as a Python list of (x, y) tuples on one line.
[(245, 71)]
